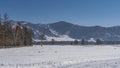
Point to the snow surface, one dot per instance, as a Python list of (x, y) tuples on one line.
[(65, 56), (53, 32), (92, 40), (60, 38)]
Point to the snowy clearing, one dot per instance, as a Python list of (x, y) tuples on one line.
[(65, 56)]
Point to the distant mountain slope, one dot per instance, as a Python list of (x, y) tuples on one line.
[(61, 28)]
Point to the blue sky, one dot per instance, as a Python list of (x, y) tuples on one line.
[(82, 12)]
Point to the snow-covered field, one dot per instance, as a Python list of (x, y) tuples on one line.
[(65, 56)]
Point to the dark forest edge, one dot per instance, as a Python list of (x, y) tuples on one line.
[(76, 43), (14, 36)]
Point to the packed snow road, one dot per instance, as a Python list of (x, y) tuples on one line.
[(65, 56)]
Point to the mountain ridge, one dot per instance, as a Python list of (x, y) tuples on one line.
[(61, 28)]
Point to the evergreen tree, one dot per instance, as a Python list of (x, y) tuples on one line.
[(5, 29), (25, 34), (42, 38), (98, 41), (1, 34), (82, 41), (53, 41), (6, 17), (76, 42)]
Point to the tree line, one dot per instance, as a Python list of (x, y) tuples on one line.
[(75, 42), (14, 35)]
